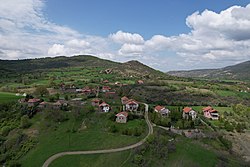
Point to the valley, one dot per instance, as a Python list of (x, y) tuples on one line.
[(53, 105)]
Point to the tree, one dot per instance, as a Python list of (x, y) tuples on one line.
[(25, 123), (66, 97), (5, 130), (41, 90)]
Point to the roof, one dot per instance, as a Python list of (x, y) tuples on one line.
[(213, 110), (57, 103), (122, 114), (159, 108), (33, 100), (106, 88), (110, 92), (95, 100), (131, 101), (105, 81), (43, 103), (140, 81), (207, 108), (103, 104), (124, 98), (187, 109)]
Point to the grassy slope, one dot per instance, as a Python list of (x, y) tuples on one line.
[(97, 160), (187, 154), (6, 97), (93, 138)]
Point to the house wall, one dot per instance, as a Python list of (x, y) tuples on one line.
[(121, 119)]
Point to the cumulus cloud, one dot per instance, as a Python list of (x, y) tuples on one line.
[(217, 39), (131, 49), (125, 37), (26, 33)]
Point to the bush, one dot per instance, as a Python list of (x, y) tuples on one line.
[(25, 123), (14, 164), (113, 129), (5, 130), (225, 142)]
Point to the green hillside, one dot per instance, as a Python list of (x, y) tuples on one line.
[(235, 72)]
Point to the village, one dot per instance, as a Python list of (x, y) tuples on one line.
[(121, 107)]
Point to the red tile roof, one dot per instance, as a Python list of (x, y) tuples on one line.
[(131, 101), (124, 98), (43, 103), (95, 100), (140, 81), (33, 100), (187, 109), (159, 108), (103, 104), (122, 113), (106, 88), (207, 108), (213, 110)]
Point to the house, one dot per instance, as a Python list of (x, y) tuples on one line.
[(56, 105), (124, 100), (210, 113), (33, 102), (118, 83), (95, 102), (131, 105), (140, 82), (78, 90), (188, 112), (43, 104), (106, 89), (86, 90), (104, 107), (162, 110), (105, 81), (22, 100), (121, 117)]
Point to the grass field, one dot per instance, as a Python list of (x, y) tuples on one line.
[(6, 97), (121, 159), (187, 154), (95, 137)]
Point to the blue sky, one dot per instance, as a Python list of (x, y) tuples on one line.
[(164, 34), (147, 18)]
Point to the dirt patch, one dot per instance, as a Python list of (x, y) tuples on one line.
[(32, 132)]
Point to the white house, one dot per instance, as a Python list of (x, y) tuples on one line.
[(188, 112)]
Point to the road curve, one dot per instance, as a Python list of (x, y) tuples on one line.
[(150, 131)]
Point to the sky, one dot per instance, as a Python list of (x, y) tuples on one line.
[(166, 35)]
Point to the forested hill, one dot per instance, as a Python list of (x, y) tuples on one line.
[(236, 72), (41, 64)]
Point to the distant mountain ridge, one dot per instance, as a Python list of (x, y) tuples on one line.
[(133, 67), (239, 71)]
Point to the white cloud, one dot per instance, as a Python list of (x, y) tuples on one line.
[(131, 49), (57, 50), (125, 37), (215, 38), (77, 43)]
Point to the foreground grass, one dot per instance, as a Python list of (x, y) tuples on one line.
[(187, 154), (6, 97), (97, 160), (60, 138)]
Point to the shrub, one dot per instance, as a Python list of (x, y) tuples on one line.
[(25, 123), (5, 130)]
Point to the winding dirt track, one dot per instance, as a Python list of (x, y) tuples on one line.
[(150, 131)]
